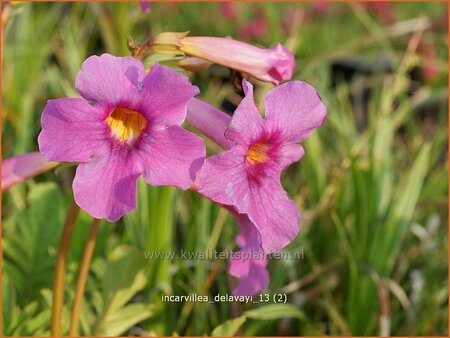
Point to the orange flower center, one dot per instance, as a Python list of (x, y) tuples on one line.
[(126, 125), (257, 153)]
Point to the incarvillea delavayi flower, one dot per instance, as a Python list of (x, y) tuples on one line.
[(128, 123), (247, 175)]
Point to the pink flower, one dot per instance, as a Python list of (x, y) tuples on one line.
[(257, 28), (251, 271), (229, 10), (145, 6), (321, 6), (249, 265), (266, 64), (429, 56), (126, 124), (270, 65), (383, 10), (247, 176)]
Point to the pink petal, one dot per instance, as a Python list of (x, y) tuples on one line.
[(165, 95), (72, 130), (19, 168), (111, 81), (295, 109), (239, 266), (276, 216), (171, 157), (246, 124), (255, 279), (290, 153), (106, 186), (249, 265), (223, 178), (249, 237)]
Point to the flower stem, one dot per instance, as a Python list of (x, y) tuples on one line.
[(60, 268), (82, 278)]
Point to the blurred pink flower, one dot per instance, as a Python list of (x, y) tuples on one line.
[(382, 9), (293, 19), (247, 176), (145, 6), (19, 168), (429, 56), (321, 6), (228, 10), (257, 28), (126, 124)]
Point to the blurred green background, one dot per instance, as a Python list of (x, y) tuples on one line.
[(372, 186)]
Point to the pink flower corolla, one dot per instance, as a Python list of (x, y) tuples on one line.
[(126, 124), (248, 265), (265, 64), (17, 169), (270, 64), (247, 176)]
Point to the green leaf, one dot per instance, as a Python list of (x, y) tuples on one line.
[(125, 276), (274, 311), (403, 209), (127, 317), (8, 303), (28, 245), (229, 328)]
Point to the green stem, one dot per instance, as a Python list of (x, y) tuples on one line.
[(82, 278), (60, 269)]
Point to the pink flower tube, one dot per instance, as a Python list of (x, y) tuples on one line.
[(19, 168), (266, 64), (209, 120)]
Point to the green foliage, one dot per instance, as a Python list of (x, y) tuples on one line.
[(30, 242), (274, 311), (229, 328), (268, 312), (124, 277)]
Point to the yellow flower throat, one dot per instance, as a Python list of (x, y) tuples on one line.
[(257, 153), (126, 125)]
